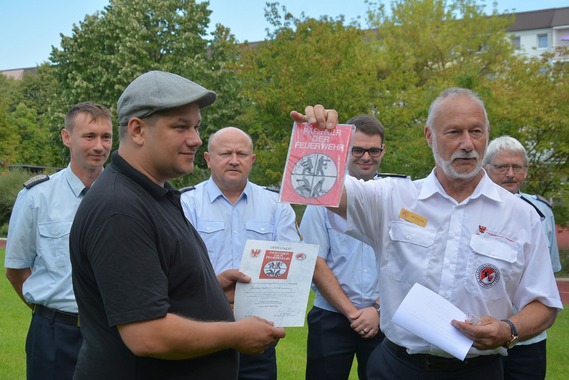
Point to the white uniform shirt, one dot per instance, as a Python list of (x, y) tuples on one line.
[(38, 238), (487, 255)]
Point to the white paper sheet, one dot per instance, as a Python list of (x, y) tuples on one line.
[(428, 315), (281, 274)]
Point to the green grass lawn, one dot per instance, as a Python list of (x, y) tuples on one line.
[(291, 351)]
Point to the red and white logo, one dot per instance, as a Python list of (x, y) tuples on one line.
[(487, 275)]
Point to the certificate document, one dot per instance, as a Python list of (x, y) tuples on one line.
[(281, 274), (428, 315)]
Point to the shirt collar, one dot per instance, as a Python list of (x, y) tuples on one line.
[(73, 181), (214, 192), (122, 166), (486, 187)]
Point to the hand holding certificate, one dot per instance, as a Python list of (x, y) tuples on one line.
[(281, 274)]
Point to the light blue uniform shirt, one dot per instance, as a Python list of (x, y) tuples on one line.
[(38, 238), (352, 262), (548, 225), (225, 227)]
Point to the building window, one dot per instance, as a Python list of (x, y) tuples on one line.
[(542, 41), (516, 42)]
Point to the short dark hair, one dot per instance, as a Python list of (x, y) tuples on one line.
[(95, 110), (368, 124)]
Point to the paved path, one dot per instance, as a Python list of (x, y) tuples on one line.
[(563, 286)]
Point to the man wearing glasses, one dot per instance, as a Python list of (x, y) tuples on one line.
[(506, 163), (345, 318)]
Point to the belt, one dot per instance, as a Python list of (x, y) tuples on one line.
[(438, 363), (56, 315)]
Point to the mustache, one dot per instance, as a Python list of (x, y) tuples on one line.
[(464, 154)]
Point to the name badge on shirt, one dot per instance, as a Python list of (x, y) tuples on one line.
[(412, 217)]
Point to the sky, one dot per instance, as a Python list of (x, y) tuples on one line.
[(29, 28)]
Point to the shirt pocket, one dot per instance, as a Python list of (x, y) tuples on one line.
[(53, 246), (488, 264), (409, 252), (212, 233), (259, 230)]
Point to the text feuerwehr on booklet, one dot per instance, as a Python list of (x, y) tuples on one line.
[(316, 164)]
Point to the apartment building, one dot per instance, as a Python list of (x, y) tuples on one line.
[(542, 31)]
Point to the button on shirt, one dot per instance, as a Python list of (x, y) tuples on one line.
[(351, 261), (38, 238), (486, 255), (225, 227)]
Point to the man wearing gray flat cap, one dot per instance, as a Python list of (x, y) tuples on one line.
[(151, 305)]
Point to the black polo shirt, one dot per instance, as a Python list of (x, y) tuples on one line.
[(135, 257)]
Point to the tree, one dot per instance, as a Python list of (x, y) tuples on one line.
[(426, 46), (110, 48), (530, 101), (306, 61), (9, 138), (36, 98)]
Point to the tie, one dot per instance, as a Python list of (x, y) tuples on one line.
[(84, 191)]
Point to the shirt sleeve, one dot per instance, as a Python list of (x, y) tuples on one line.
[(285, 223), (21, 244)]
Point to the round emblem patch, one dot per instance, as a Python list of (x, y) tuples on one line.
[(314, 175), (487, 275)]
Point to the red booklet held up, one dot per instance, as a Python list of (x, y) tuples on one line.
[(316, 165)]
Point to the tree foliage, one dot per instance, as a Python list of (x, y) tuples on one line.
[(306, 61), (393, 67), (427, 46), (110, 48), (530, 101)]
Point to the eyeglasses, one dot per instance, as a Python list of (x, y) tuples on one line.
[(373, 152), (505, 168)]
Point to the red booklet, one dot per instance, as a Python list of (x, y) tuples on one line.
[(316, 165)]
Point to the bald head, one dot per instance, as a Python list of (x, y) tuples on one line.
[(228, 134)]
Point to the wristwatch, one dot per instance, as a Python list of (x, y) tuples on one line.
[(377, 308), (514, 337)]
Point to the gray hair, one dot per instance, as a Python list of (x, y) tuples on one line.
[(505, 143), (454, 92)]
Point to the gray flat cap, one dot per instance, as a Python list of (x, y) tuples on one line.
[(159, 91)]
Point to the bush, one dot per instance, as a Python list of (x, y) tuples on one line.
[(10, 184)]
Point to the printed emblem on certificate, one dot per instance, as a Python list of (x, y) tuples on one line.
[(316, 165), (281, 274)]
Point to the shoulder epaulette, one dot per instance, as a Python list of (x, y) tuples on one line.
[(189, 188), (35, 180), (384, 175), (541, 216), (273, 189), (544, 200)]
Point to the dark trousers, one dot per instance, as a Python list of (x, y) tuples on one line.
[(51, 349), (258, 367), (526, 362), (332, 345), (385, 364)]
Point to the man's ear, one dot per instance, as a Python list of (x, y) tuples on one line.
[(207, 158), (136, 130), (429, 135), (66, 137)]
